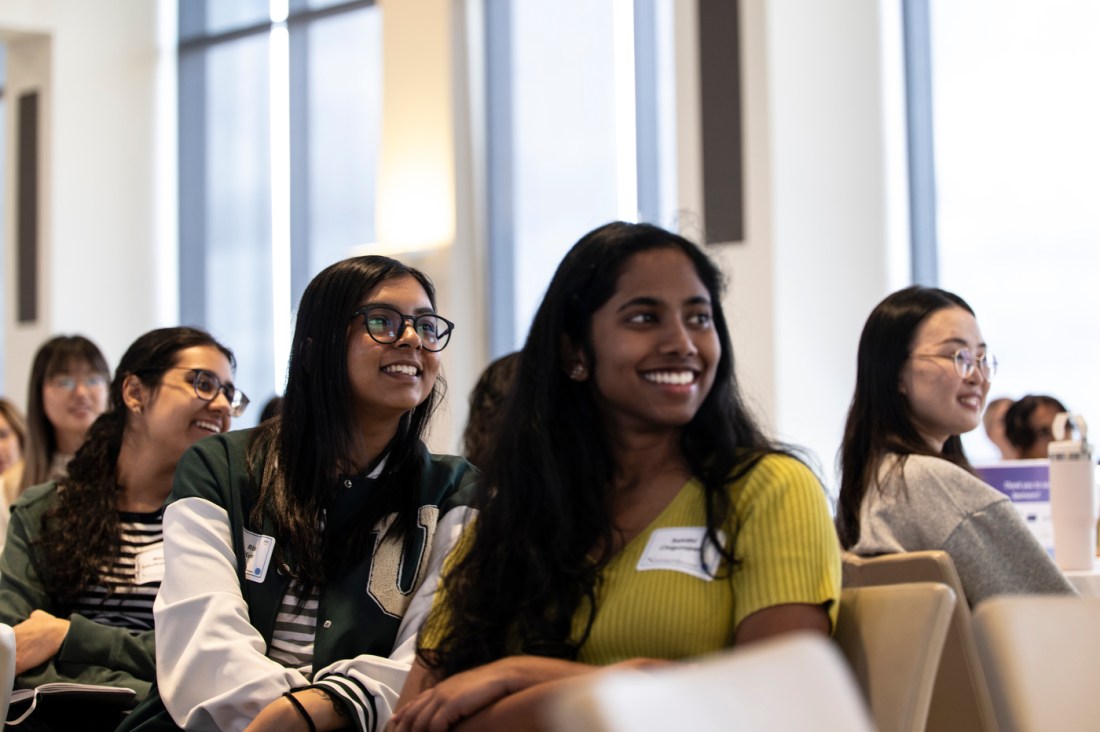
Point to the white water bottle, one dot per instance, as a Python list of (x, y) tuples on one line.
[(1072, 495)]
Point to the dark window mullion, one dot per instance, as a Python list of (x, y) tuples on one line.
[(921, 149), (192, 187), (500, 161)]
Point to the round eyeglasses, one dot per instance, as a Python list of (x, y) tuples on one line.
[(386, 325), (207, 386), (965, 363)]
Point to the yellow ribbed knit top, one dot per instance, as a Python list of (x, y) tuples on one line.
[(786, 551)]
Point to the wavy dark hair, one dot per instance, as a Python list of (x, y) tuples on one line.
[(86, 512), (58, 355), (1018, 419), (879, 418), (487, 404), (316, 431), (549, 474)]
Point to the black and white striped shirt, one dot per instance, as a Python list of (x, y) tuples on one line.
[(295, 631), (135, 575)]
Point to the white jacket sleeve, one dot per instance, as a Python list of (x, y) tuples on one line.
[(212, 670), (371, 685)]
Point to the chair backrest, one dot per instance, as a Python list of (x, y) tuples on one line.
[(798, 681), (960, 697), (892, 636), (1042, 657), (7, 667)]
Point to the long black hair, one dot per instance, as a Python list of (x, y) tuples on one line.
[(880, 422), (549, 473), (315, 435), (86, 513)]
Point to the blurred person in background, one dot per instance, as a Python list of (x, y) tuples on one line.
[(994, 423), (487, 403), (66, 393), (13, 435), (1029, 424)]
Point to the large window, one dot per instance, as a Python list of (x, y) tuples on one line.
[(574, 142), (1017, 154), (280, 110)]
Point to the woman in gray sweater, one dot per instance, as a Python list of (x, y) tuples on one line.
[(923, 374)]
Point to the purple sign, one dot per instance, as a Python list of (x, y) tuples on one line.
[(1027, 484)]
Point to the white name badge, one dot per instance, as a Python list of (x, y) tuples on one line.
[(149, 565), (257, 555), (677, 549)]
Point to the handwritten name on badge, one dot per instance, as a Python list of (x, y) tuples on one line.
[(677, 549), (149, 565), (257, 555)]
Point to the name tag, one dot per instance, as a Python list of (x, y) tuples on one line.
[(678, 549), (257, 555), (149, 565)]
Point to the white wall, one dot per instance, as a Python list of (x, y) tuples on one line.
[(822, 183), (430, 185), (108, 249)]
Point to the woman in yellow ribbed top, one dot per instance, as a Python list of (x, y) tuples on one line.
[(632, 512)]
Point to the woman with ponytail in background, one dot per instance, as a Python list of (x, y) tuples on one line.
[(84, 556)]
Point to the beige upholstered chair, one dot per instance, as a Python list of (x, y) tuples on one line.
[(1042, 658), (796, 682), (7, 667), (892, 636), (960, 698)]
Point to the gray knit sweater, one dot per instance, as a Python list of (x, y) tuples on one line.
[(931, 503)]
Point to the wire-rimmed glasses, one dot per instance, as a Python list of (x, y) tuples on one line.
[(965, 363)]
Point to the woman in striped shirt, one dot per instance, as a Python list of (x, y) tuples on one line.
[(632, 509), (84, 555)]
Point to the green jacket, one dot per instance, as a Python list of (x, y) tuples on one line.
[(92, 653), (222, 590)]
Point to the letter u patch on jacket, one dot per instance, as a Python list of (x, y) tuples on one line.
[(398, 566)]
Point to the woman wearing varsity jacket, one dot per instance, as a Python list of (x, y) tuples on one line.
[(295, 552)]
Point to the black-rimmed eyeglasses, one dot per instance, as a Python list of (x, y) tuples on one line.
[(207, 386), (386, 325)]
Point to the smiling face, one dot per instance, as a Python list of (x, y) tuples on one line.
[(172, 416), (388, 380), (72, 400), (942, 403), (654, 343)]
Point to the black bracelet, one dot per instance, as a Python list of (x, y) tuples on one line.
[(301, 710)]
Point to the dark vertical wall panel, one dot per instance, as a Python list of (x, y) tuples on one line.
[(26, 223), (720, 78)]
